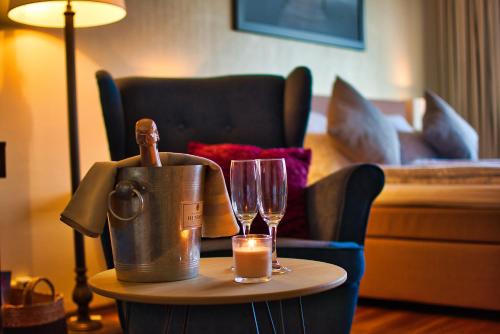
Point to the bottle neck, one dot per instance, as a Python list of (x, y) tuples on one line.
[(149, 156)]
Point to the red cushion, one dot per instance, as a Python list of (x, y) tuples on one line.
[(298, 160)]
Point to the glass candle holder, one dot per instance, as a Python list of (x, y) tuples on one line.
[(252, 258)]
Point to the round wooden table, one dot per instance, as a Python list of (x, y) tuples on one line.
[(215, 286)]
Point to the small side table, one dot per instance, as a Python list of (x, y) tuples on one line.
[(214, 303)]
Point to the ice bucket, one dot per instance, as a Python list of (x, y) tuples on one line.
[(155, 216)]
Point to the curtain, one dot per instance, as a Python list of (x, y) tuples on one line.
[(463, 63)]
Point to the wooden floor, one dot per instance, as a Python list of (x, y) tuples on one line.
[(374, 317)]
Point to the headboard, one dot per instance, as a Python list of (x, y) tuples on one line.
[(412, 110)]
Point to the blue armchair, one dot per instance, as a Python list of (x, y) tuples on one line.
[(220, 109)]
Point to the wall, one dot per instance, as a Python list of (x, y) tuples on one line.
[(157, 38)]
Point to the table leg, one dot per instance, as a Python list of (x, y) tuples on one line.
[(264, 321), (282, 317), (126, 312), (255, 321), (168, 322), (286, 316), (301, 311), (222, 319), (186, 320), (270, 317)]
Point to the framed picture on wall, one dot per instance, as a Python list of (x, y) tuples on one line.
[(333, 22)]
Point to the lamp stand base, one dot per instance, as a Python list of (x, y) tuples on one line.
[(83, 325)]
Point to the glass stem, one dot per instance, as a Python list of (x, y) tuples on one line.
[(245, 224), (273, 228)]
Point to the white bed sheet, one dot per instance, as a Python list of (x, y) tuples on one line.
[(445, 172), (439, 195), (449, 183), (443, 183)]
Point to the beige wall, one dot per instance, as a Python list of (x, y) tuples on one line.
[(158, 38)]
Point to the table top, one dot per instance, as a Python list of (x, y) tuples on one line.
[(215, 285)]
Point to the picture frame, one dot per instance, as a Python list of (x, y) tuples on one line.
[(330, 22)]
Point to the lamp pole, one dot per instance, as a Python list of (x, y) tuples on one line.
[(81, 293), (47, 13)]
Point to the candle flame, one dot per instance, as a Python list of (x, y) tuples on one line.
[(251, 243)]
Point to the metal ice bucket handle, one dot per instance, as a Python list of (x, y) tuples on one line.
[(125, 189)]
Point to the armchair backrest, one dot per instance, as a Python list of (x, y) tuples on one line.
[(263, 110)]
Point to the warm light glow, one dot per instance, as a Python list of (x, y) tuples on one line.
[(184, 234), (251, 243), (51, 13), (163, 65), (401, 71)]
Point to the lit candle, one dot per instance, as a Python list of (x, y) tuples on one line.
[(252, 258)]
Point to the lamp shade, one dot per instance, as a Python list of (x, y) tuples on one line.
[(50, 13)]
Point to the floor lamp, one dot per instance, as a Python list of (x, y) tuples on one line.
[(70, 14)]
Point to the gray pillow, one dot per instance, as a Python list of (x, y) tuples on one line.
[(359, 129), (448, 133), (414, 147)]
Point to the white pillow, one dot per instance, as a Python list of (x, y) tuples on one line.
[(399, 123), (318, 123)]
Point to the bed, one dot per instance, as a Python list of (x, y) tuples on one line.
[(434, 232)]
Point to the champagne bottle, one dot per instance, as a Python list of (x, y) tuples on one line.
[(146, 136)]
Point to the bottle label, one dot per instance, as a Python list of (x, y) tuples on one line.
[(192, 214)]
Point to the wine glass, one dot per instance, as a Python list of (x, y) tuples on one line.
[(244, 191), (272, 195)]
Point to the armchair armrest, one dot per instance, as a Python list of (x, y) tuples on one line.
[(339, 204), (348, 255)]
